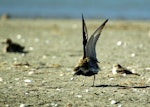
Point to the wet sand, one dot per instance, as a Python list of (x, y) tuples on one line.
[(43, 77)]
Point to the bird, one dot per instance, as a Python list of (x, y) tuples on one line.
[(88, 64), (13, 47), (118, 69)]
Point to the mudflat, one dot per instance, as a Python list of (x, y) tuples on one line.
[(43, 77)]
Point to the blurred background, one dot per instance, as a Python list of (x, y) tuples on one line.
[(112, 9)]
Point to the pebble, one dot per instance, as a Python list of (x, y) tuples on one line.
[(148, 68), (119, 105), (44, 56), (113, 102), (7, 105), (119, 43), (71, 78), (133, 55), (17, 79), (22, 105), (110, 79), (58, 89), (54, 104), (61, 75), (31, 48), (26, 93), (124, 74), (18, 36), (27, 81), (79, 96), (86, 90), (30, 73), (1, 79)]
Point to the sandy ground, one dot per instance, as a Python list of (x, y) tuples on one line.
[(43, 77)]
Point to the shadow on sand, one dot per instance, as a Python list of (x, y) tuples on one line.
[(122, 86)]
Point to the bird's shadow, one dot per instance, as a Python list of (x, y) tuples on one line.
[(121, 86), (23, 52)]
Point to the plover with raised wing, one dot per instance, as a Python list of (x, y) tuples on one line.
[(87, 65)]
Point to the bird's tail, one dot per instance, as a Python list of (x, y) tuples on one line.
[(136, 74)]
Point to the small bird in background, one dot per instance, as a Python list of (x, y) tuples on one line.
[(87, 65), (118, 69), (13, 47)]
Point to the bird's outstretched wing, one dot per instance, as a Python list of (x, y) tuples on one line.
[(85, 36), (91, 44)]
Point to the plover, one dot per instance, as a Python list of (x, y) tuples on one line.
[(118, 69), (13, 47), (87, 65)]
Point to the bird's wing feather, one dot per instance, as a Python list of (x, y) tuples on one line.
[(85, 36), (91, 44)]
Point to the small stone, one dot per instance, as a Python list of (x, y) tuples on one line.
[(26, 93), (22, 105), (17, 79), (54, 104), (110, 79), (113, 102), (31, 48), (86, 90), (30, 73), (148, 68), (44, 56), (71, 78), (7, 105), (1, 79), (27, 81), (133, 70), (119, 43), (79, 96), (58, 89), (18, 36), (124, 74), (119, 105), (133, 55)]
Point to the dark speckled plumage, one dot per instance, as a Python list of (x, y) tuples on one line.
[(118, 69)]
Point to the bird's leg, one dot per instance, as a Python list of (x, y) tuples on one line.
[(83, 82), (93, 81)]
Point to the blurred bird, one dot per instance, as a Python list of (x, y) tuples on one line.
[(87, 65), (118, 69), (13, 47)]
